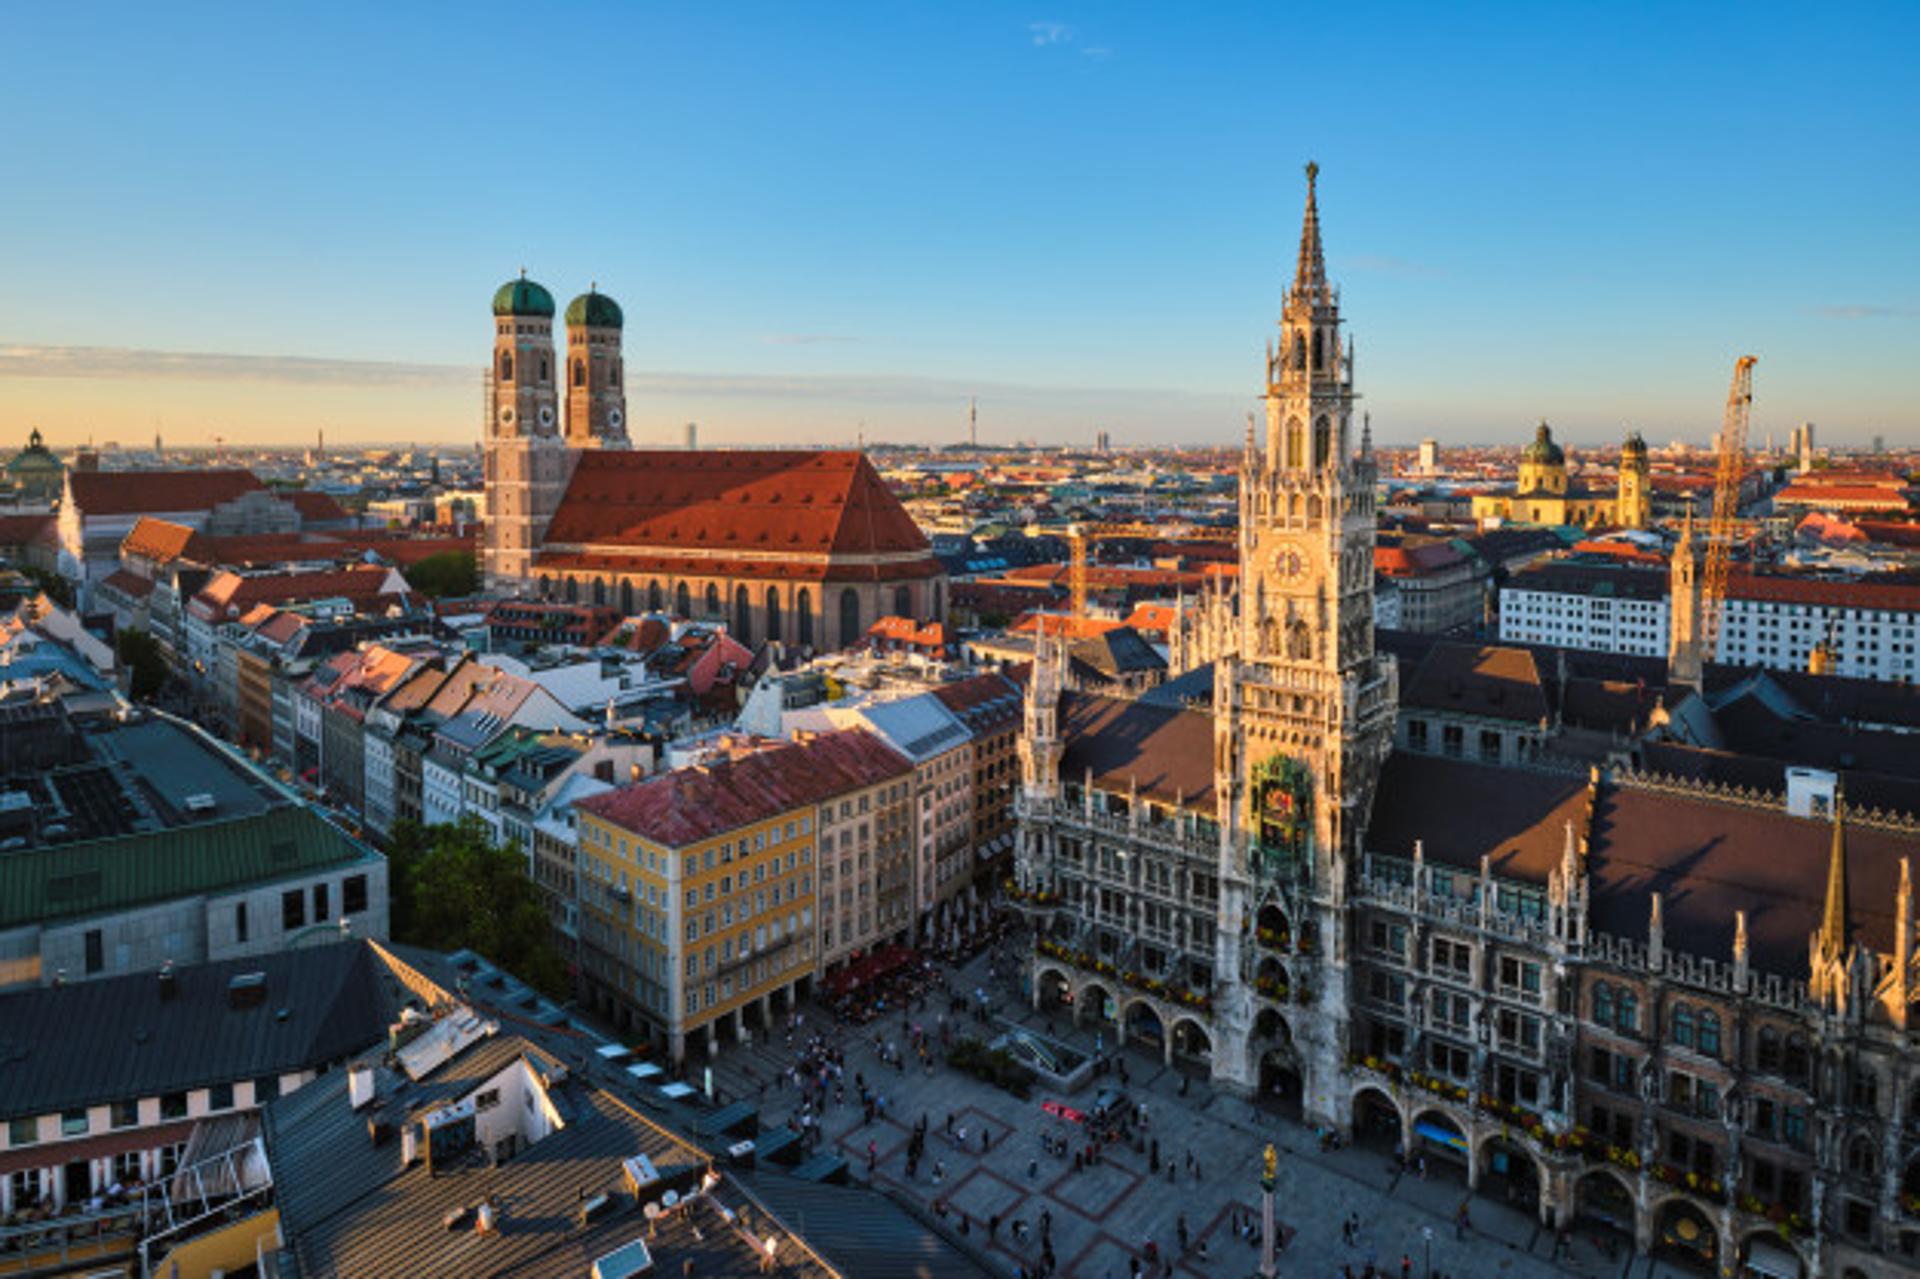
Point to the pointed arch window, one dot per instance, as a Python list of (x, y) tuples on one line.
[(1682, 1025), (682, 601), (742, 616), (1296, 443), (1299, 352), (1708, 1042), (656, 600), (803, 616), (902, 602), (1322, 442), (506, 366), (1603, 1004), (545, 372), (579, 372), (713, 600), (773, 612), (849, 615), (1319, 350)]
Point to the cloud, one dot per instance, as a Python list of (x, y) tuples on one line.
[(804, 339), (1865, 311), (1098, 52), (1386, 264), (25, 360), (1046, 33)]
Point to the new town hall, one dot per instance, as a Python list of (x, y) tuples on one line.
[(1611, 985)]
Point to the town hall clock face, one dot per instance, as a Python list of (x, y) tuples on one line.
[(1290, 562)]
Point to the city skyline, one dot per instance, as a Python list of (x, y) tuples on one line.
[(1084, 219)]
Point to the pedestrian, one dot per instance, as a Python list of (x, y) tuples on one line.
[(1033, 1170), (1180, 1229), (1461, 1221), (1406, 1266)]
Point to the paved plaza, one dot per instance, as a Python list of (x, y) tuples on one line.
[(1101, 1218)]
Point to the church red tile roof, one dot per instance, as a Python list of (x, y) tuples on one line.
[(316, 506), (134, 492), (20, 530), (800, 503)]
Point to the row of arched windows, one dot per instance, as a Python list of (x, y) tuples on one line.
[(580, 373), (1698, 1029), (599, 591), (1616, 1006), (1296, 455)]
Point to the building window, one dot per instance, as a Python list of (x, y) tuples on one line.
[(353, 894), (1709, 1040), (173, 1105), (1682, 1027), (240, 922), (266, 1089), (96, 952), (293, 909), (320, 910), (220, 1097), (126, 1114), (23, 1132)]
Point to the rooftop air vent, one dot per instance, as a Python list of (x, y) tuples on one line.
[(247, 990)]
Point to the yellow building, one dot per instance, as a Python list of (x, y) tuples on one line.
[(697, 887), (1545, 495)]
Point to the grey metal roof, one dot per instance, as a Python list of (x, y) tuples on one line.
[(348, 1207), (864, 1232), (116, 1039)]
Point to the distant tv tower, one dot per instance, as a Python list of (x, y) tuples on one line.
[(973, 422)]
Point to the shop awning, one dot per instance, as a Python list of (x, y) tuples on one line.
[(1443, 1136)]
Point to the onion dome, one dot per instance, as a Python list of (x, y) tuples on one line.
[(1543, 451), (594, 310), (523, 297), (1634, 447)]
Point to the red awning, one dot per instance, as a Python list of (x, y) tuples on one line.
[(867, 968)]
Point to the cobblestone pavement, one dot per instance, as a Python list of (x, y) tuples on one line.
[(1102, 1217)]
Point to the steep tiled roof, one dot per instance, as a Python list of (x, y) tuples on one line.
[(20, 530), (233, 591), (794, 502), (1166, 752), (161, 541), (132, 492), (316, 506), (693, 804), (131, 585), (985, 703), (1486, 680)]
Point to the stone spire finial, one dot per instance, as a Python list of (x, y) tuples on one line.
[(1835, 921), (1657, 932), (1310, 275), (1741, 950), (1366, 424)]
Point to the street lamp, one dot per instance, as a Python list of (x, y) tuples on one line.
[(1426, 1234)]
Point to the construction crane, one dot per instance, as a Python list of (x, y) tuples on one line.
[(1731, 470), (1079, 535)]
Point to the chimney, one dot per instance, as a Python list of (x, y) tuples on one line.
[(359, 1085)]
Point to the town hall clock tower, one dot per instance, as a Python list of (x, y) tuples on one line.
[(1303, 707)]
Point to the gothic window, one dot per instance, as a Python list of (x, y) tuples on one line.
[(849, 615), (773, 613), (713, 600), (579, 372), (544, 372), (1603, 1004), (1682, 1027), (506, 366), (613, 373), (599, 590), (1322, 442), (1296, 443), (803, 615), (1319, 350), (1796, 1064), (742, 616), (683, 601), (1860, 1157), (655, 599), (1300, 643), (1709, 1039), (902, 602), (1627, 1012), (1299, 351), (626, 596), (1766, 1058), (573, 590)]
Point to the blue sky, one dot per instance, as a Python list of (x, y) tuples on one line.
[(822, 219)]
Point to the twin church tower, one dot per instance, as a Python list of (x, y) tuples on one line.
[(529, 454)]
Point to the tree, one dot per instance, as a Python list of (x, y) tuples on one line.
[(450, 573), (451, 886), (57, 588), (140, 653)]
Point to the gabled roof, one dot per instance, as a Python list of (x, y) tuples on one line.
[(93, 1042), (1165, 751), (134, 492), (693, 804), (1485, 680), (316, 506), (1120, 651), (227, 591), (795, 502), (20, 530), (161, 541), (986, 703), (919, 727)]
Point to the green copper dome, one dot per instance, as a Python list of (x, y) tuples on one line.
[(595, 310), (522, 297), (1543, 450)]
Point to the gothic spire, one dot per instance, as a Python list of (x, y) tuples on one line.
[(1834, 920), (1310, 276)]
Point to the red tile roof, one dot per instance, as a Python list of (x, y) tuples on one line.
[(797, 502), (316, 506), (985, 703), (161, 541), (1899, 596), (133, 492), (905, 632), (131, 585), (1062, 624), (690, 805), (231, 594), (20, 530)]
